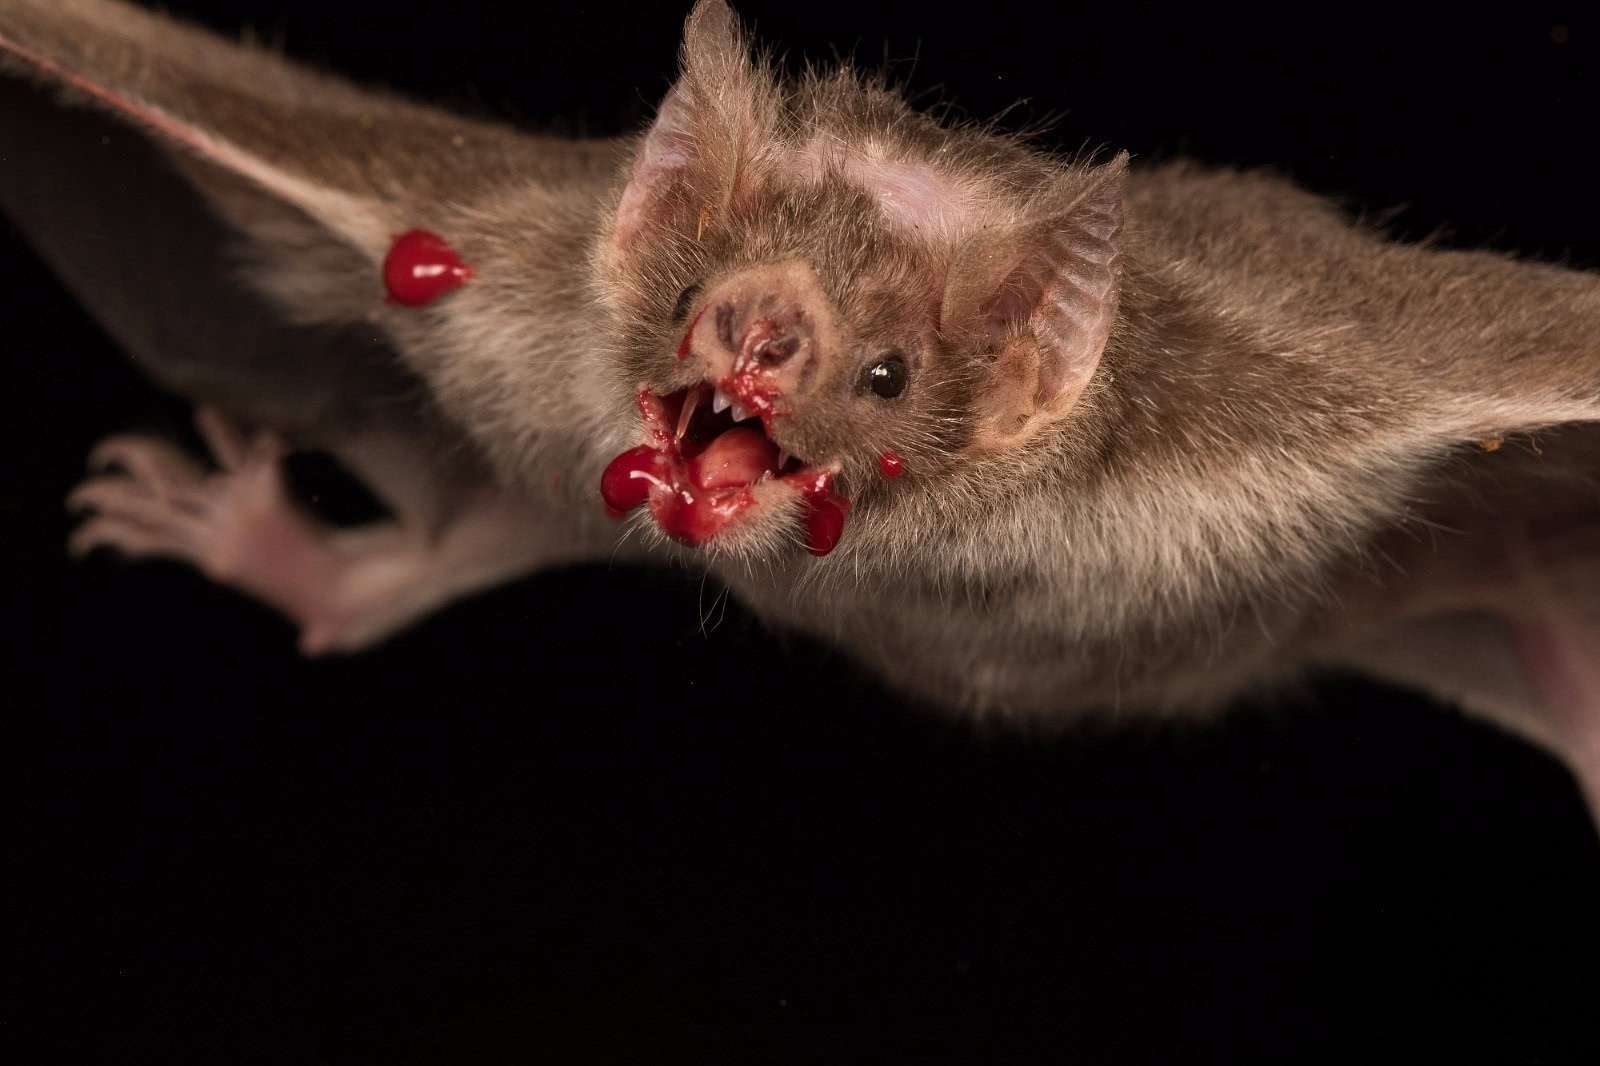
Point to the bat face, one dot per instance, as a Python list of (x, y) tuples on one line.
[(815, 289), (797, 355)]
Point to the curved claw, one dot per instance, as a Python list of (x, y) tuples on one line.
[(134, 498), (168, 472), (126, 536)]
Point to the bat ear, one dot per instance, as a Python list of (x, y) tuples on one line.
[(694, 158), (317, 175), (1035, 304), (714, 52)]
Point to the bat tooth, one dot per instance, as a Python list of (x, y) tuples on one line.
[(689, 403), (783, 458), (720, 402), (739, 413)]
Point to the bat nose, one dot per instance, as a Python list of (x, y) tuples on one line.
[(766, 328), (770, 340), (775, 350)]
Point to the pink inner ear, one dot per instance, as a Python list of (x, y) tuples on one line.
[(1013, 302), (668, 150), (1057, 279)]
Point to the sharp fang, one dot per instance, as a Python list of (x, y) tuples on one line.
[(783, 458), (739, 413), (719, 402), (689, 403)]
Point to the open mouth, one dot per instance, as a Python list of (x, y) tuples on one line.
[(703, 469)]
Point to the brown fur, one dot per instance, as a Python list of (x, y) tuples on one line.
[(1271, 462)]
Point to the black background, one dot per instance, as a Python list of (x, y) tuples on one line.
[(563, 823)]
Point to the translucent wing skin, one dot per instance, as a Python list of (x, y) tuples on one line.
[(224, 164), (293, 130), (145, 254)]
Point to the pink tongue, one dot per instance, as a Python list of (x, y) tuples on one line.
[(736, 457)]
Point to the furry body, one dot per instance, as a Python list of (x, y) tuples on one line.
[(1247, 441)]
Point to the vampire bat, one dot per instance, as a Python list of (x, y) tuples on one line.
[(1033, 438)]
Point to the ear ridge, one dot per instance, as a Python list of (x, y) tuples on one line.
[(713, 45), (1085, 258), (716, 66), (669, 147), (707, 128), (736, 106), (1038, 301)]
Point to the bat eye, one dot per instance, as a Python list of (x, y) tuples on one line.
[(887, 375), (680, 310)]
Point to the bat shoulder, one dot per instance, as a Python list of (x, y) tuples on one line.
[(1188, 202)]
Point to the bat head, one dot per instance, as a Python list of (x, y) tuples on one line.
[(815, 290)]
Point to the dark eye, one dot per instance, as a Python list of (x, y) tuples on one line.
[(680, 310), (887, 375)]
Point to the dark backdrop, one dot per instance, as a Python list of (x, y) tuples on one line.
[(563, 823)]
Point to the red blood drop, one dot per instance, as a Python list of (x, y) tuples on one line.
[(695, 519), (891, 464), (421, 267), (736, 457), (825, 523), (627, 480)]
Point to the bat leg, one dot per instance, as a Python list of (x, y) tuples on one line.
[(344, 589)]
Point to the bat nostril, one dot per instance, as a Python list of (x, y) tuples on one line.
[(774, 351), (725, 325)]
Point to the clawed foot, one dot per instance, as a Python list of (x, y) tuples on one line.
[(147, 499), (237, 525), (344, 588)]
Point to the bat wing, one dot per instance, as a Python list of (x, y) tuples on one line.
[(307, 138), (226, 214), (127, 233)]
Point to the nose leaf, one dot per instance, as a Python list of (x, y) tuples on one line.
[(775, 351), (770, 342), (762, 332)]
